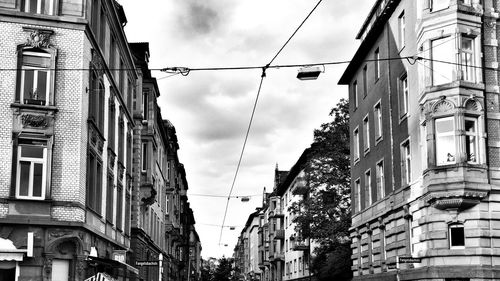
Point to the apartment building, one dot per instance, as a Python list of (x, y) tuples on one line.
[(66, 124), (425, 187)]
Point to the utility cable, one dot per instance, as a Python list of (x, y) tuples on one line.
[(253, 113), (224, 196), (242, 150)]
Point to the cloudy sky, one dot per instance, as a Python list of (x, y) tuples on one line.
[(211, 109)]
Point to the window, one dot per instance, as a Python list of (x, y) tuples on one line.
[(355, 93), (377, 64), (437, 5), (357, 195), (465, 2), (383, 243), (403, 95), (401, 27), (111, 123), (471, 140), (110, 199), (145, 105), (423, 145), (144, 155), (442, 59), (366, 134), (405, 162), (300, 264), (445, 141), (365, 82), (94, 183), (96, 101), (295, 265), (411, 234), (60, 270), (121, 136), (45, 7), (35, 83), (119, 206), (467, 59), (31, 171), (380, 180), (356, 144), (368, 188), (457, 236), (378, 121)]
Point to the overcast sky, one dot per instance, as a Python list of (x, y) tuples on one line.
[(211, 110)]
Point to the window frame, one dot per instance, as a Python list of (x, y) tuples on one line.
[(357, 195), (450, 235), (356, 144), (470, 70), (26, 5), (377, 120), (405, 149), (365, 81), (439, 136), (50, 54), (380, 179), (368, 188), (366, 134), (439, 8), (476, 135), (32, 160), (377, 64), (402, 30), (355, 93), (404, 94)]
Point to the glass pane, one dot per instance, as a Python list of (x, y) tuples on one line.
[(440, 4), (35, 60), (31, 6), (470, 126), (45, 7), (445, 150), (37, 180), (467, 44), (32, 151), (457, 236), (24, 178), (41, 89), (28, 84), (444, 125), (443, 58), (470, 148)]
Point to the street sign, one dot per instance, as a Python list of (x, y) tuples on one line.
[(147, 263), (409, 260)]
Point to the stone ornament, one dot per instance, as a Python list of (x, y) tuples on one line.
[(36, 121), (38, 38)]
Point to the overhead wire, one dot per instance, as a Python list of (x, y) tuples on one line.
[(253, 113)]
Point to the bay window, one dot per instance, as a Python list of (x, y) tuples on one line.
[(445, 141), (356, 144), (31, 171), (443, 57)]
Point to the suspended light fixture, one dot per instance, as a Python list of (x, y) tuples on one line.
[(245, 199), (309, 72)]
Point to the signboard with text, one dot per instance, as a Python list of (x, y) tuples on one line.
[(147, 263), (409, 260)]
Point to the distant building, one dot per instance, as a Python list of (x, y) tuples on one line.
[(425, 150)]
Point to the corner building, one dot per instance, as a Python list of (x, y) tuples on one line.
[(65, 138), (425, 141)]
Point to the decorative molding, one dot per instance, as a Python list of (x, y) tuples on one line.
[(38, 38), (97, 64), (455, 200), (472, 104), (36, 121), (442, 106)]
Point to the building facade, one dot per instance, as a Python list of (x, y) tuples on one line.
[(427, 185), (91, 182), (280, 252), (67, 125)]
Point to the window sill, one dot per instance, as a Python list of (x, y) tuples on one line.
[(403, 117), (34, 106), (356, 161), (378, 139), (29, 199)]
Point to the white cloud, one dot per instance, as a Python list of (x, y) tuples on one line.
[(211, 110)]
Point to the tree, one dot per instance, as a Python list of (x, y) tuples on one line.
[(324, 213), (224, 270)]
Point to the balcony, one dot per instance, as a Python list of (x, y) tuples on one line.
[(279, 234), (300, 246), (276, 213)]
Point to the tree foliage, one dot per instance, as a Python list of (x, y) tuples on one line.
[(223, 272), (324, 214)]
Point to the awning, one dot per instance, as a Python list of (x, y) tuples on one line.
[(101, 276), (113, 263), (9, 252)]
